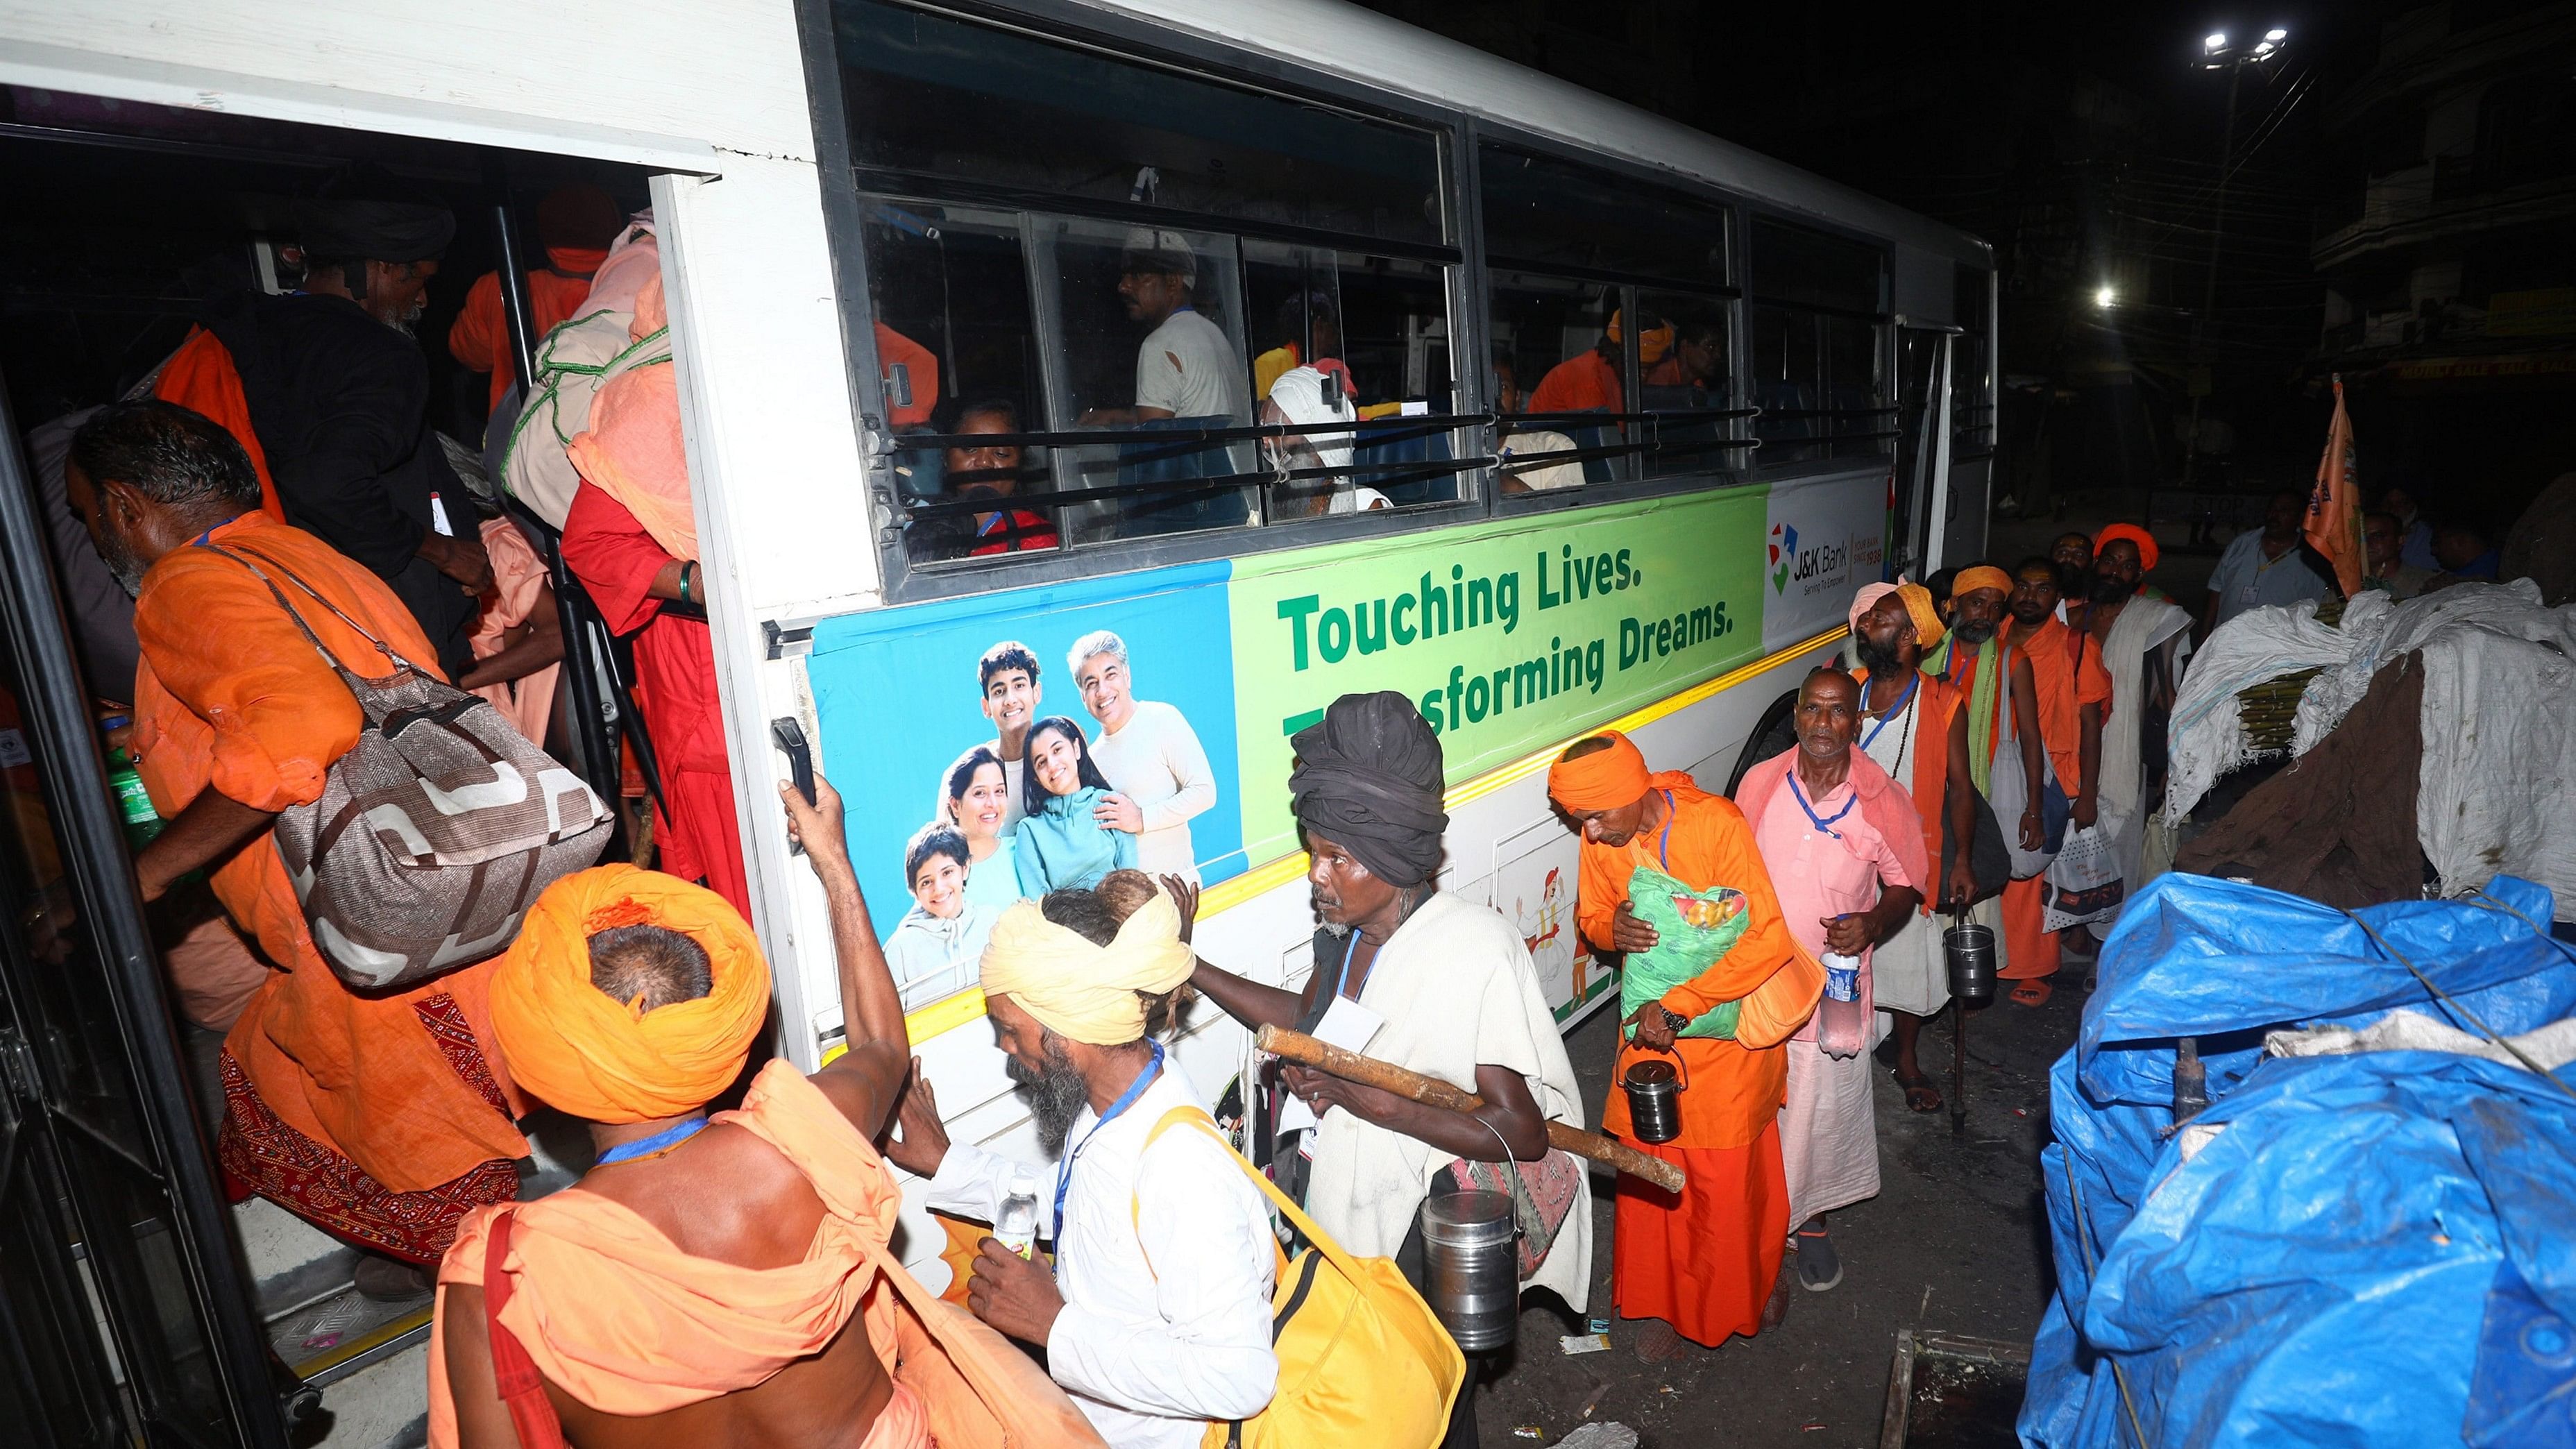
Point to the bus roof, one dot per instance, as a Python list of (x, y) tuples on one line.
[(1389, 54)]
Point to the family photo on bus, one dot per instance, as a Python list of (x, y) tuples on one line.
[(1051, 802)]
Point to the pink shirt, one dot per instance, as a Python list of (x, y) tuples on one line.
[(1818, 875)]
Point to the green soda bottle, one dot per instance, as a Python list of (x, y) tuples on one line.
[(142, 822)]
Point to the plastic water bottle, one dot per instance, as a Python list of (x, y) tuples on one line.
[(1017, 1224), (1842, 1026), (142, 822)]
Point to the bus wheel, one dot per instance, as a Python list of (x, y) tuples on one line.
[(1778, 731)]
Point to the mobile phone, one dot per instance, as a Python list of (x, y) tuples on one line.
[(789, 736)]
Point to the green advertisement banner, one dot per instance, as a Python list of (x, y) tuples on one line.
[(1506, 636)]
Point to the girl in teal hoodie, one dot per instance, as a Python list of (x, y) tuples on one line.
[(1058, 845)]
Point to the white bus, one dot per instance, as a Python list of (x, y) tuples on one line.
[(1632, 412)]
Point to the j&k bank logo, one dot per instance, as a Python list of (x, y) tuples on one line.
[(1817, 566)]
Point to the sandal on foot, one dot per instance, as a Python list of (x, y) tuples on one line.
[(1820, 1268), (1920, 1094), (2031, 993)]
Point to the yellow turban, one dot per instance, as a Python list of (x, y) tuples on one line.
[(573, 1046), (1982, 576), (1080, 991), (1610, 779), (1928, 627)]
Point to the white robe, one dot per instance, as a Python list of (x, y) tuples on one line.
[(1457, 988)]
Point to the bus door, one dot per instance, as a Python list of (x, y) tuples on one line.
[(125, 1317), (1919, 500)]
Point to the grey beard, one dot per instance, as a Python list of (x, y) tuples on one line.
[(1874, 659), (123, 566), (1338, 930), (1970, 633), (1056, 1093)]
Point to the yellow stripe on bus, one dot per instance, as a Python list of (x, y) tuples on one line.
[(951, 1012)]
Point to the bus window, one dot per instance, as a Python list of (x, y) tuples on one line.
[(1819, 315), (952, 282), (1162, 314), (1690, 386), (1972, 408), (930, 95), (1612, 307), (1152, 326), (1557, 333), (1379, 326)]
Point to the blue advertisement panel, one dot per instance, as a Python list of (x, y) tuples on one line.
[(1129, 750)]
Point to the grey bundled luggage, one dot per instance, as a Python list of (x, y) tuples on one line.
[(435, 833)]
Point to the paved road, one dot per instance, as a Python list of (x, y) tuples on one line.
[(1954, 1241)]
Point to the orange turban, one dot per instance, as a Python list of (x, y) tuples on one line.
[(1983, 576), (2145, 541), (1928, 627), (597, 1058), (1603, 780)]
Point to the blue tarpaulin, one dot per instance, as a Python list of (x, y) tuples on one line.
[(2376, 1249)]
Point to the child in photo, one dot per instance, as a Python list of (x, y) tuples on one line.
[(945, 930), (1059, 845), (976, 798)]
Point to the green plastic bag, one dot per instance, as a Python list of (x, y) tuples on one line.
[(1682, 950)]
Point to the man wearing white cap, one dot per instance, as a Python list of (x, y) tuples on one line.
[(1185, 368), (1309, 396)]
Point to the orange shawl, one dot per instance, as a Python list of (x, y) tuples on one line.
[(620, 1319), (200, 376), (633, 450)]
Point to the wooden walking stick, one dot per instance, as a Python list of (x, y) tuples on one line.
[(1304, 1050)]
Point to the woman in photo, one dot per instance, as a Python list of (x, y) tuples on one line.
[(1060, 845), (976, 798), (946, 927)]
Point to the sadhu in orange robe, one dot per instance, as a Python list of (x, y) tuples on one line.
[(380, 1118), (1704, 1261), (616, 1317)]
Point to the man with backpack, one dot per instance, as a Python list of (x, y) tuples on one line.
[(1157, 1317), (384, 1118)]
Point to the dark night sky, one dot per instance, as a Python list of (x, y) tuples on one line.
[(2081, 141)]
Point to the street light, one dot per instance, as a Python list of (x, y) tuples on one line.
[(2216, 54), (2105, 297)]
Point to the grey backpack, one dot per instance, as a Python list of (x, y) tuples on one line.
[(434, 833)]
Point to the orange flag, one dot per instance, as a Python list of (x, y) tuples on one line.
[(2334, 504)]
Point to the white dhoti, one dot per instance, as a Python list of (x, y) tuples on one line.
[(1828, 1132)]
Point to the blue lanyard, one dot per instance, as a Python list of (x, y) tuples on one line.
[(1064, 1170), (1822, 822), (662, 1141), (1893, 711), (1664, 844)]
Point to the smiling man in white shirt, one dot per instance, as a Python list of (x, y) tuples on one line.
[(1150, 755), (1157, 1316)]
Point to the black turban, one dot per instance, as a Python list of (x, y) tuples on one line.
[(379, 231), (1369, 778)]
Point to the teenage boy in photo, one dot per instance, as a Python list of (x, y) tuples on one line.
[(1007, 679)]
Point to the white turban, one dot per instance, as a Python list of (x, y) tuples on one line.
[(1306, 397), (1080, 991)]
